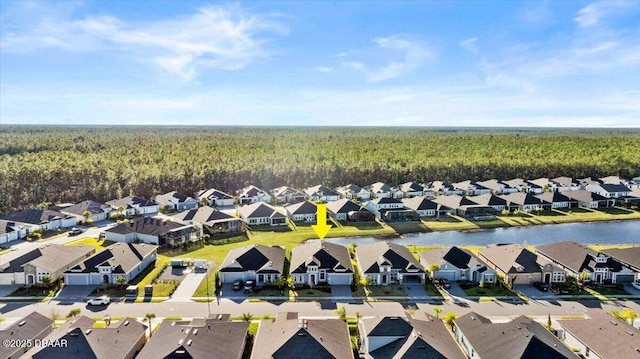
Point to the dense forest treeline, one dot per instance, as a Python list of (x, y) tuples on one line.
[(40, 165)]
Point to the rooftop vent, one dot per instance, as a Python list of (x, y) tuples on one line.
[(180, 341), (126, 323), (628, 332), (189, 342), (195, 332), (22, 323), (88, 332)]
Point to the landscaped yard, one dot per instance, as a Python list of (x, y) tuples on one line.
[(489, 290), (382, 291), (90, 241), (308, 293), (151, 273)]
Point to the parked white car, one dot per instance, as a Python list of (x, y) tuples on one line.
[(99, 301)]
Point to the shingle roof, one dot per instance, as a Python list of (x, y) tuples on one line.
[(612, 188), (123, 256), (608, 338), (411, 187), (509, 258), (459, 257), (7, 227), (522, 198), (419, 203), (566, 181), (165, 198), (34, 325), (202, 215), (520, 338), (585, 196), (146, 225), (35, 216), (554, 197), (305, 207), (344, 206), (199, 339), (349, 188), (630, 256), (91, 206), (455, 201), (327, 255), (53, 257), (286, 190), (259, 210), (302, 338), (250, 191), (130, 201), (256, 258), (575, 256), (386, 200), (320, 190), (213, 193), (425, 339), (489, 199), (116, 341), (371, 256)]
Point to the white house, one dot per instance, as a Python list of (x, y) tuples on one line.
[(352, 191), (132, 206), (261, 214), (322, 193), (302, 212), (152, 231), (215, 197), (177, 201), (321, 262), (107, 266), (253, 194), (97, 211), (41, 219), (10, 231)]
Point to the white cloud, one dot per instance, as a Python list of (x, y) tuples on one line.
[(223, 38), (469, 45), (413, 54), (324, 69), (594, 13)]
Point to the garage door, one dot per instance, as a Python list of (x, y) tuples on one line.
[(624, 278), (448, 275), (75, 279), (411, 279), (340, 279), (230, 277)]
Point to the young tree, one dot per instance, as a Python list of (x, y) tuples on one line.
[(364, 281), (149, 317), (74, 312), (450, 318), (437, 310), (87, 216), (549, 327), (342, 313), (630, 315), (46, 280), (247, 317), (616, 314), (122, 280), (433, 268)]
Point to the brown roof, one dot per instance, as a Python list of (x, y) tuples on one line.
[(52, 257), (255, 257), (34, 325), (630, 256), (608, 338), (327, 255), (302, 338), (371, 256), (509, 258)]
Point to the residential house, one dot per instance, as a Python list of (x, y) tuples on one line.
[(253, 194), (584, 182), (576, 259), (609, 190), (422, 206), (210, 221), (463, 206), (557, 200), (521, 338), (214, 337), (444, 188), (34, 326), (286, 194), (498, 203), (513, 262), (540, 185), (380, 190), (215, 197), (132, 206), (385, 263), (152, 231), (391, 210), (47, 260), (471, 188), (456, 264), (302, 212), (10, 231), (618, 180), (589, 199), (628, 257), (518, 183), (262, 214), (352, 191), (176, 201), (292, 337), (107, 266), (41, 219), (563, 184), (601, 338), (321, 262), (412, 189), (347, 210), (255, 262), (96, 211), (123, 340), (497, 186), (322, 193), (397, 337), (525, 201)]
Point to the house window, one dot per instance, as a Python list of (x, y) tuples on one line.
[(323, 275), (558, 276)]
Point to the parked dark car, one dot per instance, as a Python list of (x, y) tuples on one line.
[(445, 283), (248, 286), (237, 285), (542, 286)]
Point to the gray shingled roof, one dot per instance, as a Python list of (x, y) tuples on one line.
[(201, 338), (489, 199), (53, 257), (344, 206), (328, 255), (585, 196), (302, 338), (129, 201), (114, 342), (34, 325), (370, 256), (509, 257), (166, 197), (607, 338), (123, 256), (520, 338), (305, 207), (575, 256), (146, 225), (91, 206), (7, 226), (625, 255), (35, 216), (419, 203), (459, 257), (250, 191), (255, 257), (522, 198), (213, 193), (259, 210), (320, 190), (202, 215), (554, 197), (411, 187)]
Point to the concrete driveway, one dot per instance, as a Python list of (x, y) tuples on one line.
[(75, 292), (456, 291), (415, 291), (188, 286), (5, 290), (533, 292), (341, 292)]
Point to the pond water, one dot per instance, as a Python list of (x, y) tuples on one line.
[(615, 232)]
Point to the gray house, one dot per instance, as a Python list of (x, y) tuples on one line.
[(321, 262), (386, 263), (260, 263), (97, 211), (176, 201), (152, 231), (457, 264)]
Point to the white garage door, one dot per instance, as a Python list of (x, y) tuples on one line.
[(230, 277), (341, 279), (80, 279)]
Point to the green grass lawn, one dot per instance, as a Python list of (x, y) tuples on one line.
[(488, 290), (382, 291), (151, 273), (90, 241), (308, 293)]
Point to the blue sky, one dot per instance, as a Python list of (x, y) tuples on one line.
[(434, 63)]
